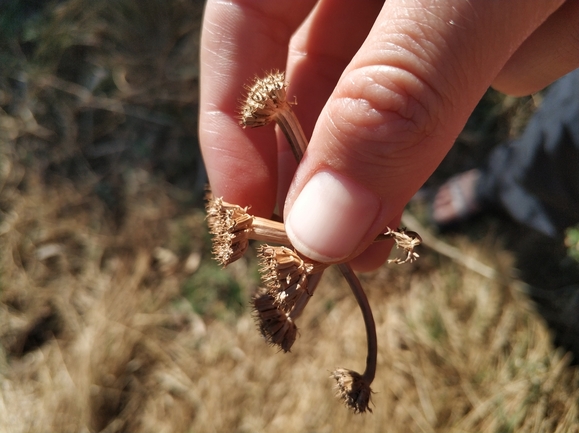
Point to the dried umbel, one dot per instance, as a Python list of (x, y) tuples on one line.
[(275, 325), (290, 283), (266, 102), (265, 96), (286, 275), (232, 227), (353, 389)]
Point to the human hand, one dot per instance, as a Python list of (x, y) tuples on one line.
[(383, 90)]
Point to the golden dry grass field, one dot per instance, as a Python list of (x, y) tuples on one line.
[(115, 318)]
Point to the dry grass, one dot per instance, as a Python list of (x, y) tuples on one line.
[(113, 318), (97, 337)]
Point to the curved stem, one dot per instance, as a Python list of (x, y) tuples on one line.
[(358, 291)]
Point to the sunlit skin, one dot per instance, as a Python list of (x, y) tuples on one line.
[(383, 89)]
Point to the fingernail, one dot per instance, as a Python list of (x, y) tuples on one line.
[(330, 217)]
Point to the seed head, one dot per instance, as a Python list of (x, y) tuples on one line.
[(286, 275), (275, 325), (264, 97), (353, 389), (230, 226)]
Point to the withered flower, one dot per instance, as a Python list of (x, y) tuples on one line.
[(287, 275), (290, 282), (353, 389), (275, 325), (232, 227), (266, 102), (265, 96), (406, 240)]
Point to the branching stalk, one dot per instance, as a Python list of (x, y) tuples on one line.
[(266, 101)]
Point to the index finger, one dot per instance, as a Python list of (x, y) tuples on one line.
[(239, 40)]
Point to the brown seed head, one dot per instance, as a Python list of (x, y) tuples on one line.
[(264, 97), (230, 226), (275, 325), (353, 389), (286, 275)]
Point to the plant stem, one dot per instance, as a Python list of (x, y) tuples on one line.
[(356, 286), (263, 229), (292, 129)]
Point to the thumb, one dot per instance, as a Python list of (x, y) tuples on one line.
[(395, 113)]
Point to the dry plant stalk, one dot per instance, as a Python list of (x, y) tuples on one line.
[(352, 387), (267, 101), (232, 227), (291, 279)]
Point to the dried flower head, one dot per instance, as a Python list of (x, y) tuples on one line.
[(353, 389), (266, 102), (265, 96), (286, 275), (406, 240), (232, 227), (290, 283), (275, 325), (229, 224)]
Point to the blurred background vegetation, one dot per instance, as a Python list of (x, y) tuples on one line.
[(113, 317)]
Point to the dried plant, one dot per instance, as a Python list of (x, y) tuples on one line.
[(232, 227), (266, 102), (406, 240), (291, 279), (275, 325), (286, 274), (354, 388), (290, 282)]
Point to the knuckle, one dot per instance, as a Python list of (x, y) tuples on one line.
[(381, 112)]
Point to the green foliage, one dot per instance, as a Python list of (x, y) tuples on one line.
[(435, 324), (214, 292)]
